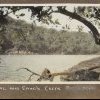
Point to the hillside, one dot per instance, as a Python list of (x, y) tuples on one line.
[(18, 37)]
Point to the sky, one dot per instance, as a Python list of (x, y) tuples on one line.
[(64, 20)]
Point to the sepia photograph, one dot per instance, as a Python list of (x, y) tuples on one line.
[(50, 30), (49, 49), (49, 43), (29, 68)]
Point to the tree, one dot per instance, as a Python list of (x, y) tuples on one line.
[(44, 14), (77, 75), (5, 43)]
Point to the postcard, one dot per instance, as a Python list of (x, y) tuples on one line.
[(47, 49)]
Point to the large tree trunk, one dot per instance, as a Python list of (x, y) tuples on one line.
[(94, 30)]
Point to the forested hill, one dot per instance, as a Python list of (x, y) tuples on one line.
[(18, 37)]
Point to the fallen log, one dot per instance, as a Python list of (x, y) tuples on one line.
[(84, 71)]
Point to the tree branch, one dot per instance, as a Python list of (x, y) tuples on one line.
[(93, 68), (94, 30), (33, 73), (47, 75)]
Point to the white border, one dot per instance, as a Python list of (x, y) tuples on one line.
[(61, 83), (50, 4)]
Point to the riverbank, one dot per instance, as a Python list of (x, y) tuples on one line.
[(37, 63)]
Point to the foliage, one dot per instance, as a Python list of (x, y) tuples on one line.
[(20, 36), (44, 14)]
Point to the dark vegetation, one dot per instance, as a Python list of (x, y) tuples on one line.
[(18, 37)]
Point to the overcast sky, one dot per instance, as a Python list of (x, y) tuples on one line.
[(64, 20)]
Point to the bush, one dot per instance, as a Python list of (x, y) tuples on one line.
[(39, 40)]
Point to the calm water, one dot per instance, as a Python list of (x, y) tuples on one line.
[(37, 63)]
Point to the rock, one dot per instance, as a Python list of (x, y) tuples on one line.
[(82, 75), (82, 72)]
